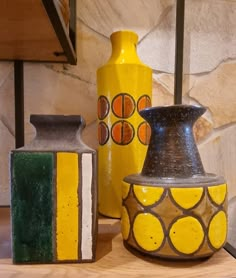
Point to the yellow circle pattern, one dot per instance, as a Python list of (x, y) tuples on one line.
[(148, 195), (218, 230), (125, 223), (187, 197), (187, 234), (148, 231), (125, 189), (218, 193)]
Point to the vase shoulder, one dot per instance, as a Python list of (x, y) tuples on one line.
[(200, 180)]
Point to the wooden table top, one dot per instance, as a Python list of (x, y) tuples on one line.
[(113, 260)]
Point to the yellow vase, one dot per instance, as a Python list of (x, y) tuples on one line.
[(124, 88)]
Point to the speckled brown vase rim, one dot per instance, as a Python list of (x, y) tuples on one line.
[(56, 119), (174, 106)]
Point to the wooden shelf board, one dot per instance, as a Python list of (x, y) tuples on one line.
[(113, 260), (27, 33)]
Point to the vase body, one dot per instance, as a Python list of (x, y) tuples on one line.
[(173, 209), (124, 88), (54, 196)]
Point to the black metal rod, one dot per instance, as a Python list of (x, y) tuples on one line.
[(179, 51), (59, 29), (230, 249), (19, 103), (73, 30)]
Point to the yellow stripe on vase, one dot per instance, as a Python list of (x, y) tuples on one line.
[(67, 226)]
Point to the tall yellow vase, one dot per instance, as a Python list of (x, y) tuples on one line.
[(124, 88)]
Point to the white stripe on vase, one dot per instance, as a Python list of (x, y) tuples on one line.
[(87, 240)]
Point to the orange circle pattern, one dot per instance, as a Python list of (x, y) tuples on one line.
[(122, 132), (103, 107), (144, 102), (123, 106), (103, 133), (144, 133)]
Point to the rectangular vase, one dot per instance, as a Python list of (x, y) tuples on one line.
[(53, 206)]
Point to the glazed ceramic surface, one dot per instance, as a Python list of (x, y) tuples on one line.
[(173, 209), (54, 199), (124, 88)]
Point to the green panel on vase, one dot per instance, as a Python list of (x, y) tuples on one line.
[(32, 206)]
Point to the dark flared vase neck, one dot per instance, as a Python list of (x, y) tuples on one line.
[(172, 151), (57, 127)]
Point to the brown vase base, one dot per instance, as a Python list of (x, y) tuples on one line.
[(161, 258)]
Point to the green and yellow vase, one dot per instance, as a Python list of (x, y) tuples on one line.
[(173, 209), (54, 194), (124, 88)]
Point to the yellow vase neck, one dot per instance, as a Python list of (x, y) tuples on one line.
[(124, 48)]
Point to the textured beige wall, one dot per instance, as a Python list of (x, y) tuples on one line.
[(210, 73)]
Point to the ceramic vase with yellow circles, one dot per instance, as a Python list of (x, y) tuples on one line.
[(173, 208), (124, 88)]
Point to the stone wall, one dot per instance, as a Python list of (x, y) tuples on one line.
[(209, 66)]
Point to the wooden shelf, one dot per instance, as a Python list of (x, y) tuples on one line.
[(34, 30), (113, 260)]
